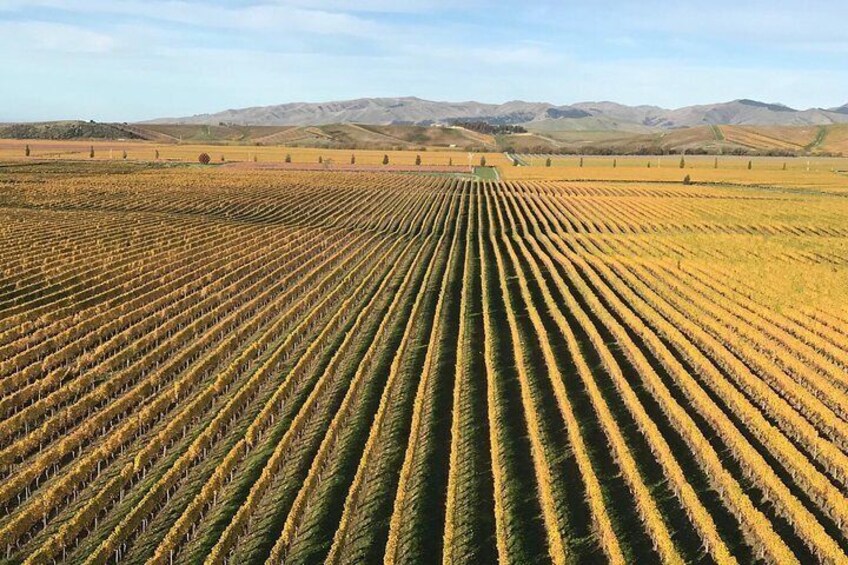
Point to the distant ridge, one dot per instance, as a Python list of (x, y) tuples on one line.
[(598, 116), (841, 110)]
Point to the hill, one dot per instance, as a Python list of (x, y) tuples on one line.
[(67, 130), (543, 115), (539, 137), (333, 136)]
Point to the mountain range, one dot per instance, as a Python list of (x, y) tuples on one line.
[(536, 116)]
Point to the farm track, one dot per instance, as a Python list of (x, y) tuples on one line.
[(300, 367)]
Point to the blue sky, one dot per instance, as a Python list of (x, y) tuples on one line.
[(139, 59)]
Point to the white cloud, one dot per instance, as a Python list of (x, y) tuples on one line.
[(212, 55), (779, 23), (270, 17), (56, 37), (381, 6), (505, 55), (662, 82)]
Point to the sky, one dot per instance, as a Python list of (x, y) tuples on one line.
[(127, 60)]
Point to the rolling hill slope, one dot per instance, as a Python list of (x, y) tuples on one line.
[(710, 139), (546, 116)]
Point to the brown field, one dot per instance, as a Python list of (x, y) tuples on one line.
[(225, 134), (715, 140), (815, 173), (771, 137), (146, 151), (836, 140), (690, 138)]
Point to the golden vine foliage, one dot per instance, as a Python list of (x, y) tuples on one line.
[(227, 365)]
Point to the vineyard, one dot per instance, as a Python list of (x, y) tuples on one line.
[(211, 365)]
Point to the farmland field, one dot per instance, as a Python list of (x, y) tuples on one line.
[(11, 149), (574, 364)]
